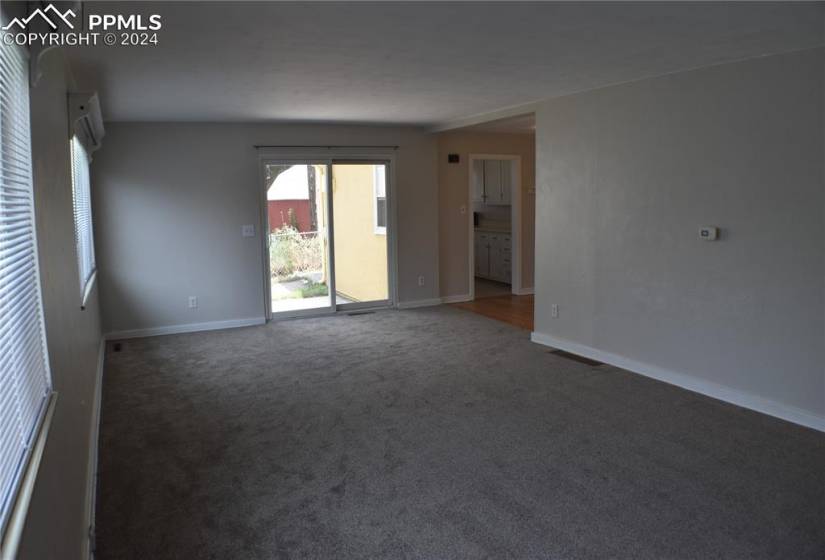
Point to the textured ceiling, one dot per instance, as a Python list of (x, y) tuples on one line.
[(413, 63)]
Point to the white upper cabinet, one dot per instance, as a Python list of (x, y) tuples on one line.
[(492, 181), (506, 181), (478, 180)]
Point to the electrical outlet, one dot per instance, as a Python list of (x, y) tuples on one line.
[(554, 310), (193, 302), (248, 230), (420, 280)]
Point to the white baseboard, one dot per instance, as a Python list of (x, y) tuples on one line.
[(91, 467), (418, 303), (525, 291), (191, 327), (457, 299), (689, 382)]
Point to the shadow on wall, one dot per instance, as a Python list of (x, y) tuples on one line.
[(112, 290)]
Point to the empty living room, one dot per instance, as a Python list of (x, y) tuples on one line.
[(412, 279)]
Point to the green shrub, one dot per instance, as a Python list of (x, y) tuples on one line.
[(292, 252)]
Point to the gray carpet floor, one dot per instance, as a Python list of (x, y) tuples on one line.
[(434, 433)]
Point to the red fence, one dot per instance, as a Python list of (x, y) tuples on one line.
[(279, 214)]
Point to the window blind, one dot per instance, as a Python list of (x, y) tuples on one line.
[(82, 198), (25, 382)]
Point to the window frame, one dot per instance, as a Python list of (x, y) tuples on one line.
[(87, 281), (378, 170)]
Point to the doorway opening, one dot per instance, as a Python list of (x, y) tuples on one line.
[(495, 225), (328, 236)]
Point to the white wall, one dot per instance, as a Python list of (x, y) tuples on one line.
[(57, 520), (627, 174), (170, 200)]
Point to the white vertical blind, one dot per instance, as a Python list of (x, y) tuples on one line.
[(25, 382), (82, 197)]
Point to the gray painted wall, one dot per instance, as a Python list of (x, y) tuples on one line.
[(56, 525), (170, 200), (627, 174)]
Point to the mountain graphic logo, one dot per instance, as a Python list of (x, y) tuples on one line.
[(56, 15)]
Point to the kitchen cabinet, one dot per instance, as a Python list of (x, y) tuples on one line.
[(478, 180), (506, 169), (482, 254), (493, 256), (492, 181)]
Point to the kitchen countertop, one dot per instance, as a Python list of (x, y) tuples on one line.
[(484, 229)]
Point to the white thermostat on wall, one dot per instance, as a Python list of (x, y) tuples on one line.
[(708, 233)]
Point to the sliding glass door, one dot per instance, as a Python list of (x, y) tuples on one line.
[(327, 231), (297, 216), (359, 207)]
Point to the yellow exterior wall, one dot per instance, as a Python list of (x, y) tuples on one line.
[(360, 253)]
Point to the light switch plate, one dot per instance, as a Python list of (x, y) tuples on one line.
[(248, 230)]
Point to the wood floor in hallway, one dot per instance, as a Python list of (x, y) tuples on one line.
[(515, 310)]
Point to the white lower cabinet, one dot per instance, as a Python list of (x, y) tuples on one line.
[(493, 255), (482, 252)]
